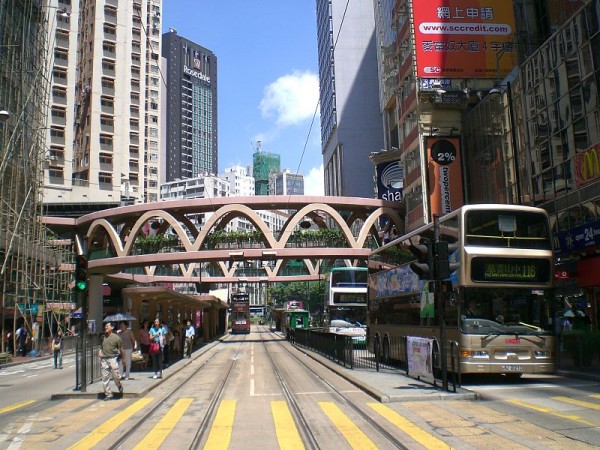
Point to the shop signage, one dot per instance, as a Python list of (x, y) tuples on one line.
[(578, 238), (587, 165), (195, 74)]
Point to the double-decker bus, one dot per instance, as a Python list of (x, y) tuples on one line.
[(498, 307), (346, 302), (240, 313), (346, 294)]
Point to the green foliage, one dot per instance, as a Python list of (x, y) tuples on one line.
[(154, 244), (311, 293)]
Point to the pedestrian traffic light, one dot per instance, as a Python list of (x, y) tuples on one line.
[(424, 266), (81, 273)]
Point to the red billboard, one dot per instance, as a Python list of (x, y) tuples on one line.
[(464, 38)]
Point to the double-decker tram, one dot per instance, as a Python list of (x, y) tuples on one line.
[(240, 313), (498, 306)]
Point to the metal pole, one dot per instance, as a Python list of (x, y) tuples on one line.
[(439, 299), (513, 138)]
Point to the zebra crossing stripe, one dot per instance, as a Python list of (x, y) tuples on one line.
[(551, 411), (159, 433), (16, 406), (285, 428), (220, 432), (421, 436), (355, 437), (581, 403), (109, 426)]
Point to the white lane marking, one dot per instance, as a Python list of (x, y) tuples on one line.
[(252, 387)]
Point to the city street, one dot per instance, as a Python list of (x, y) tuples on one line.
[(257, 391)]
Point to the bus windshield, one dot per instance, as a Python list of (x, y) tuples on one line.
[(510, 310), (497, 228), (348, 278)]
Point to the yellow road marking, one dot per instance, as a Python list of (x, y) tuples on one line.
[(285, 428), (581, 403), (110, 425), (16, 406), (595, 395), (220, 432), (356, 438), (419, 435), (159, 433), (551, 411)]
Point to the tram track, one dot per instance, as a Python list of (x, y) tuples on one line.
[(387, 435), (166, 398)]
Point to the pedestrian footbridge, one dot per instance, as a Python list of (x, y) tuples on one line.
[(164, 242)]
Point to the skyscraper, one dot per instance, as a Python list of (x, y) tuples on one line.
[(191, 109), (103, 134), (264, 165), (351, 126)]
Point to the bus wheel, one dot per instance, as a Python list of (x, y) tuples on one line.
[(385, 356)]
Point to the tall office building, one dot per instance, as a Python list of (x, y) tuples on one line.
[(103, 135), (286, 183), (191, 109), (351, 126)]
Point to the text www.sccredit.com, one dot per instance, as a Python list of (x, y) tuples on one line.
[(464, 28)]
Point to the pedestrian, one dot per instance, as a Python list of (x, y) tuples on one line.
[(166, 346), (129, 345), (177, 343), (157, 340), (144, 336), (22, 339), (57, 349), (190, 333), (111, 349)]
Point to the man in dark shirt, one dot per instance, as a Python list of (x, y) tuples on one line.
[(111, 348)]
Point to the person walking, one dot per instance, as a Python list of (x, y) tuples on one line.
[(129, 345), (110, 349), (22, 340), (190, 333), (144, 336), (157, 342), (57, 349)]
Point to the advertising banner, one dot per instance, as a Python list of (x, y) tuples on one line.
[(445, 174), (587, 165), (464, 38), (420, 356), (390, 181)]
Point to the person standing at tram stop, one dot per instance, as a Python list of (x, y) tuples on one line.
[(157, 336), (57, 349), (190, 333), (129, 345), (144, 336), (110, 349)]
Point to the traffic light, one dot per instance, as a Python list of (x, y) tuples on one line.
[(444, 267), (424, 266), (81, 273)]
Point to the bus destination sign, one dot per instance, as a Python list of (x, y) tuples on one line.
[(513, 270)]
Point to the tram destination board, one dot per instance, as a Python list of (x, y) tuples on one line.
[(510, 270)]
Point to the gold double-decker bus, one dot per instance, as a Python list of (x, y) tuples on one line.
[(498, 306)]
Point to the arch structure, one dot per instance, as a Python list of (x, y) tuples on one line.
[(163, 242)]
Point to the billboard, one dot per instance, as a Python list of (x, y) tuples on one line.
[(464, 38), (390, 181), (445, 174)]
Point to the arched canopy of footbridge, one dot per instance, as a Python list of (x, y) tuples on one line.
[(166, 241)]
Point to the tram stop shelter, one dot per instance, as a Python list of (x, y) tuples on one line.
[(148, 302)]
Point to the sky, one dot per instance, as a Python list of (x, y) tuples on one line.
[(267, 72)]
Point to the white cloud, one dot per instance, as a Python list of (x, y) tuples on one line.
[(291, 98), (314, 182)]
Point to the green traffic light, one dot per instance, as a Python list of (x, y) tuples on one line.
[(81, 285)]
